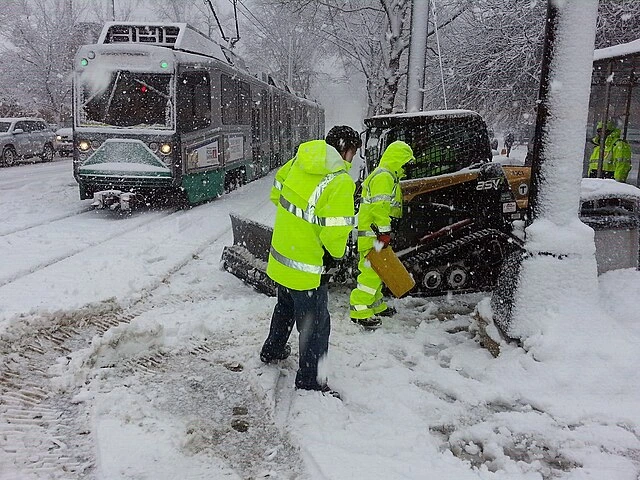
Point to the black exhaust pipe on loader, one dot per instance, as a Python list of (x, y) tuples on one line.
[(247, 257)]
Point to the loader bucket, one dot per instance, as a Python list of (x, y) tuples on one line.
[(247, 257)]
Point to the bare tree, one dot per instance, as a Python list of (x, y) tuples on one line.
[(289, 48), (368, 36), (123, 11), (491, 56), (41, 39), (618, 22)]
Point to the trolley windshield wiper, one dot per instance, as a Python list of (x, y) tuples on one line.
[(153, 89), (111, 95)]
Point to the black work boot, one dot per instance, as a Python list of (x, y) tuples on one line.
[(370, 323), (316, 387), (389, 312), (268, 357)]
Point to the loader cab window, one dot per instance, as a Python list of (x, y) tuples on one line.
[(443, 145), (372, 148)]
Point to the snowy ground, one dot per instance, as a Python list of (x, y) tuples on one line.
[(127, 353)]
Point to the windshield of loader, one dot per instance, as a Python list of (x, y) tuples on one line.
[(440, 145)]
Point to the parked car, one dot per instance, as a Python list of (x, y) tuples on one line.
[(64, 141), (25, 137)]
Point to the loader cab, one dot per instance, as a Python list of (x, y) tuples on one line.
[(452, 180), (443, 141)]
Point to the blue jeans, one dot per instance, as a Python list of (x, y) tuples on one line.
[(308, 310)]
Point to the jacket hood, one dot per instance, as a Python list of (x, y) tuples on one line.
[(318, 158), (613, 137), (396, 155)]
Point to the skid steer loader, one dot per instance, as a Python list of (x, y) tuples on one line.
[(458, 214)]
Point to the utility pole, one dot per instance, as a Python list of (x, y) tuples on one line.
[(290, 65), (557, 250), (417, 55)]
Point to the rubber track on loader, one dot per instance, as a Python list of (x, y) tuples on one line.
[(454, 252)]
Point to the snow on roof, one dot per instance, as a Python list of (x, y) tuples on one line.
[(599, 188), (621, 50), (430, 113), (175, 35), (13, 119)]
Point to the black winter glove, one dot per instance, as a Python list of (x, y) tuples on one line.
[(328, 261)]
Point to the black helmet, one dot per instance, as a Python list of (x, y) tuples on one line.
[(343, 138)]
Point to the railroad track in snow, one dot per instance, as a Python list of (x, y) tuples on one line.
[(48, 221), (35, 249)]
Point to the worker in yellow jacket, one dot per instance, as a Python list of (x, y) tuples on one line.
[(313, 193), (616, 162), (381, 201)]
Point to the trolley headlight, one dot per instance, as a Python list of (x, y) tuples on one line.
[(95, 144), (58, 138), (84, 145), (165, 148), (153, 146)]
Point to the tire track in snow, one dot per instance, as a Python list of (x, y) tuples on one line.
[(44, 431)]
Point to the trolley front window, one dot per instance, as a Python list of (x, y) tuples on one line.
[(129, 99)]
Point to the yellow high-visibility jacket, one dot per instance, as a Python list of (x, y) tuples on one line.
[(381, 194), (617, 156), (314, 195)]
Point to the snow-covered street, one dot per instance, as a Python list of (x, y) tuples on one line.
[(126, 352)]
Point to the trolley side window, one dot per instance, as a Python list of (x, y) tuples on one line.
[(236, 101), (194, 101)]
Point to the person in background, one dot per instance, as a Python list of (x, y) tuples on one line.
[(313, 193), (616, 162), (381, 201), (493, 140), (508, 142)]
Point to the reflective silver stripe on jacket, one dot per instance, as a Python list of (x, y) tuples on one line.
[(383, 197), (365, 289), (277, 185), (309, 213), (359, 308), (303, 267), (369, 233), (378, 198)]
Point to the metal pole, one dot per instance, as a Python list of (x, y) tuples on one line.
[(605, 120), (417, 55), (290, 66), (542, 116), (627, 109)]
